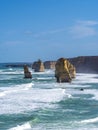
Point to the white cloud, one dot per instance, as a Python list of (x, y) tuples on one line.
[(83, 29), (45, 33), (87, 23)]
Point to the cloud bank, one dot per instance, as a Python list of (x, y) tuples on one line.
[(45, 33), (83, 29)]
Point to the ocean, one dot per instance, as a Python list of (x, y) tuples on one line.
[(42, 104)]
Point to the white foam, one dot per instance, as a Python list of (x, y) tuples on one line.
[(16, 88), (12, 71), (1, 71), (25, 126), (20, 100), (27, 86), (27, 97), (86, 78), (2, 94), (48, 95), (93, 120), (93, 92), (66, 93), (46, 78), (47, 71)]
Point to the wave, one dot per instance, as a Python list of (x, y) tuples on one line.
[(47, 71), (1, 71), (57, 126), (93, 92), (25, 126), (12, 72), (86, 78), (19, 100), (10, 69), (16, 88), (93, 120), (45, 78)]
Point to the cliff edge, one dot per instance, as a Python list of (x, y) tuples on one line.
[(85, 64)]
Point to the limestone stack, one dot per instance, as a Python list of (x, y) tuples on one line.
[(72, 70), (27, 73), (38, 66), (64, 70)]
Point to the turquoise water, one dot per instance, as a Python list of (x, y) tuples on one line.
[(42, 104)]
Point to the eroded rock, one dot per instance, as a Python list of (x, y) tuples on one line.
[(38, 66), (64, 70), (27, 73)]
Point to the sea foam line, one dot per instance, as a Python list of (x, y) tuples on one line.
[(16, 89), (25, 126), (90, 120)]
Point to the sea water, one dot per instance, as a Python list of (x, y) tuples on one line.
[(42, 104)]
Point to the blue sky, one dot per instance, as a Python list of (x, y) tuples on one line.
[(47, 29)]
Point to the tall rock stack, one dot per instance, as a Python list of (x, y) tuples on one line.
[(72, 70), (64, 70), (27, 73), (38, 66)]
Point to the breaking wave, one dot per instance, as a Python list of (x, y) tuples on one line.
[(25, 126)]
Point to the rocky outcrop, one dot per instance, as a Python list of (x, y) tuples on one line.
[(49, 64), (72, 70), (64, 70), (27, 73), (85, 64), (38, 66)]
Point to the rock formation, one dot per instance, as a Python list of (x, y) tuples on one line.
[(49, 64), (27, 73), (38, 66), (64, 70), (85, 64), (72, 70)]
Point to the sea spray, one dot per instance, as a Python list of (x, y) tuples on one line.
[(41, 104)]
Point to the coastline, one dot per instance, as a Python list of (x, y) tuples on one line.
[(83, 64)]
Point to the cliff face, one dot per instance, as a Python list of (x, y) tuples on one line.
[(85, 64), (49, 64)]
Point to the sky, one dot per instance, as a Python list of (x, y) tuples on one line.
[(47, 29)]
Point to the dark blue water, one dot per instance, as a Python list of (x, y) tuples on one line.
[(42, 104)]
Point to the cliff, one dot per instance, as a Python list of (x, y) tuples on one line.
[(85, 64), (49, 64)]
